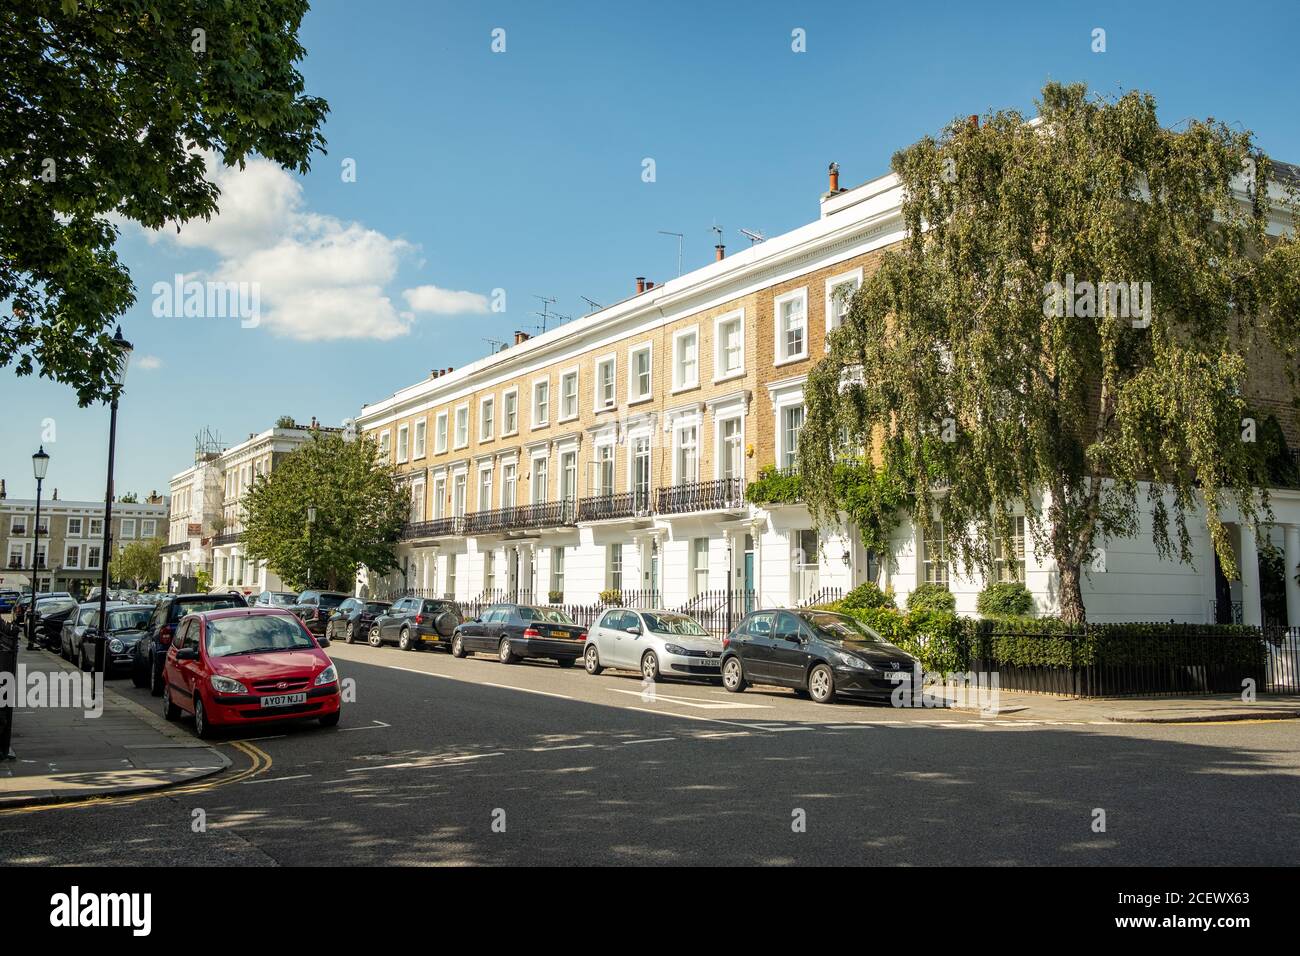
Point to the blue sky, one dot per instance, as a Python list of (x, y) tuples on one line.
[(521, 171)]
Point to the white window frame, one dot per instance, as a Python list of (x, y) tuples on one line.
[(509, 479), (97, 551), (487, 418), (634, 377), (152, 525), (403, 444), (566, 456), (460, 483), (544, 458), (71, 563), (720, 418), (680, 426), (696, 568), (440, 495), (509, 416), (599, 401), (783, 357), (80, 524), (417, 501), (97, 527), (680, 382), (441, 432), (420, 439), (634, 438), (541, 420), (385, 453), (486, 473), (833, 318), (565, 376), (784, 395), (719, 344), (456, 441), (604, 451), (126, 530)]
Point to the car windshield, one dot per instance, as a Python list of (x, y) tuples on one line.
[(841, 627), (258, 634), (677, 624), (283, 598), (376, 607), (547, 615), (129, 618), (332, 600), (181, 608), (51, 605)]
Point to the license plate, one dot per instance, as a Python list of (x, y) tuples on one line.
[(284, 700), (560, 634), (710, 662)]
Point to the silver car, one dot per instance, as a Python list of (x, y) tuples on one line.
[(75, 626), (656, 643)]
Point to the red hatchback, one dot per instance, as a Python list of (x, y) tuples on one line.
[(248, 666)]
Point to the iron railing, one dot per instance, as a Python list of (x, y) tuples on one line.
[(629, 504), (716, 495), (226, 537), (547, 514), (174, 548), (435, 528)]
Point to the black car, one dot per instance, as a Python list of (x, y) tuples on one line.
[(314, 608), (412, 621), (50, 613), (818, 653), (514, 632), (352, 619), (149, 653), (127, 624)]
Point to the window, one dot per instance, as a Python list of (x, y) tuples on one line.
[(805, 565), (421, 427), (72, 557), (16, 557), (557, 570), (462, 426), (569, 476), (729, 342), (641, 472), (92, 557), (508, 485), (74, 527), (489, 571), (604, 476), (18, 525), (128, 528), (614, 567), (440, 496), (606, 373), (542, 403), (403, 443), (730, 462), (510, 412), (1009, 553), (452, 561), (686, 360), (932, 549), (385, 444), (687, 460), (792, 326), (839, 296), (486, 419), (458, 494), (148, 527), (485, 490), (417, 501), (791, 422), (440, 433), (97, 527), (541, 467), (568, 396), (699, 566), (640, 381)]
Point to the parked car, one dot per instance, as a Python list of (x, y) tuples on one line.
[(351, 621), (248, 666), (314, 608), (818, 653), (74, 626), (657, 643), (50, 613), (515, 632), (24, 605), (285, 599), (127, 624), (8, 598), (412, 622), (150, 651)]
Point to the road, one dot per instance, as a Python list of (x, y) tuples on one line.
[(444, 761)]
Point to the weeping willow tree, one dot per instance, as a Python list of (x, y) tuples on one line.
[(1065, 331)]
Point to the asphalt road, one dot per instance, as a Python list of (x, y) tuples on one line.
[(444, 761)]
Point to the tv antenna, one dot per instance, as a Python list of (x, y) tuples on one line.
[(496, 345), (547, 301), (679, 237), (595, 306), (754, 236)]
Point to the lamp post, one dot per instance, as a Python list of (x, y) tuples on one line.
[(40, 466), (122, 358), (311, 523)]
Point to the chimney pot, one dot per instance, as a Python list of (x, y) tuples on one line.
[(719, 252), (649, 285), (640, 284), (834, 177)]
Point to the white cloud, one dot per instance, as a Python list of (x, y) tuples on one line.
[(147, 363), (319, 277), (430, 298)]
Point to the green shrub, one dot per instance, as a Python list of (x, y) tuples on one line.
[(555, 597), (940, 640), (867, 595), (774, 486), (931, 597), (1005, 599), (611, 596)]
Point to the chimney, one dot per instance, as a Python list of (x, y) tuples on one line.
[(521, 337), (314, 424), (449, 371), (56, 494), (3, 494), (640, 284), (719, 252), (649, 285), (835, 178)]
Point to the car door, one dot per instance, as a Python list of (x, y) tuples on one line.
[(484, 634), (788, 652), (756, 652), (602, 633), (338, 621), (174, 673), (388, 623), (617, 639)]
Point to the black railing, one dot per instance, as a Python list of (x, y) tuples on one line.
[(546, 514), (716, 495), (629, 504), (821, 596), (719, 611), (174, 548), (436, 528), (226, 537), (1282, 669)]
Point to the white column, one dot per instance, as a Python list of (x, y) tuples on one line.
[(756, 531), (1292, 551), (1252, 612)]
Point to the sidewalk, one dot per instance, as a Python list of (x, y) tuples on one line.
[(1147, 710), (64, 755)]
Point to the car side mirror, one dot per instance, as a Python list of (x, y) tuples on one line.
[(635, 629), (187, 654)]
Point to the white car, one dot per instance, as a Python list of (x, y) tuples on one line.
[(656, 643)]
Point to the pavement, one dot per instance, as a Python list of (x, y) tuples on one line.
[(1146, 710), (82, 749)]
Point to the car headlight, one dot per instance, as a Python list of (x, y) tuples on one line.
[(857, 663), (328, 676), (226, 685), (674, 649), (115, 646)]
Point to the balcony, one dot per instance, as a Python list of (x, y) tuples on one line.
[(718, 495), (437, 528), (548, 514), (174, 548), (226, 537), (629, 504)]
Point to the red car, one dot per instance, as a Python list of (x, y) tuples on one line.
[(248, 666)]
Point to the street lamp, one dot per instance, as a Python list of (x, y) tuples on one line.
[(311, 522), (40, 466), (121, 358)]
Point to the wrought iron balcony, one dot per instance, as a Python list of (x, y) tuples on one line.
[(174, 548), (629, 504), (226, 537), (437, 528), (547, 514), (718, 495)]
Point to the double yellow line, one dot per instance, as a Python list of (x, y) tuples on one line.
[(259, 763)]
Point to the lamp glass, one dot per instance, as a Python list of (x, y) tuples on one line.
[(40, 464), (123, 357)]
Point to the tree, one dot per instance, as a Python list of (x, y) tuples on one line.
[(139, 562), (360, 508), (105, 111), (130, 498), (986, 376)]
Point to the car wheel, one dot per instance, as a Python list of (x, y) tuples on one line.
[(457, 647), (155, 678), (348, 635), (592, 660), (733, 676), (821, 684), (84, 662), (650, 667), (170, 710), (504, 652), (565, 661), (404, 639), (331, 720), (138, 677), (202, 729), (373, 638)]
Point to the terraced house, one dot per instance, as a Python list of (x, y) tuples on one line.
[(613, 453)]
